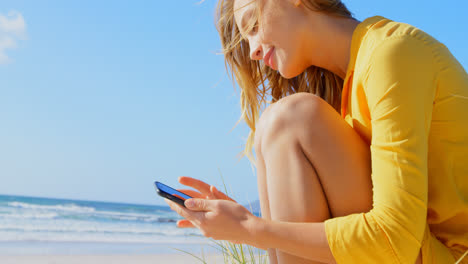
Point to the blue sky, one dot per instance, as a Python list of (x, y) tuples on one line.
[(100, 98)]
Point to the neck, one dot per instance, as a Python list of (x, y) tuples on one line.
[(334, 46)]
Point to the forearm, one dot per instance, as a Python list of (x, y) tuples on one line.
[(306, 240)]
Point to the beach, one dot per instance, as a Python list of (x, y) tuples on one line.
[(103, 259), (100, 252), (54, 231), (43, 252)]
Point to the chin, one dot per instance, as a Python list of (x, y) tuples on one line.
[(288, 73)]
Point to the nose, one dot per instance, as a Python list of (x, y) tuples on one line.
[(256, 51)]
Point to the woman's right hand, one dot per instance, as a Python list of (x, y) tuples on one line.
[(205, 191)]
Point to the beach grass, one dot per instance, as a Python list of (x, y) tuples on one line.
[(231, 252)]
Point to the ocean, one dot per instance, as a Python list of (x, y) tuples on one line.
[(32, 225)]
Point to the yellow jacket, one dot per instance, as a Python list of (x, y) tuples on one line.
[(407, 96)]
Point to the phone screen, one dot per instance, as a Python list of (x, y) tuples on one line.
[(171, 193)]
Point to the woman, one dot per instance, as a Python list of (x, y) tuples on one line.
[(361, 155)]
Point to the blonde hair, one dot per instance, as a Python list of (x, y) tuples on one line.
[(251, 75)]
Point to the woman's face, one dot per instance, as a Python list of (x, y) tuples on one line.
[(279, 39)]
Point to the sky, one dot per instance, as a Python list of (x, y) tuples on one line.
[(98, 99)]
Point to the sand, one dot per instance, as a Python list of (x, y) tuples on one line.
[(109, 259)]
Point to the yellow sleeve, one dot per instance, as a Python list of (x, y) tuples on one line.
[(400, 89)]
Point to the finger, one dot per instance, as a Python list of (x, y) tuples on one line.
[(192, 193), (201, 205), (191, 215), (181, 223), (168, 202), (220, 195), (201, 186), (177, 208), (211, 196), (184, 224)]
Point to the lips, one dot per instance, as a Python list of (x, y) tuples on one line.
[(268, 58)]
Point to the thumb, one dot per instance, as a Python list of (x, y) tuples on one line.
[(196, 204)]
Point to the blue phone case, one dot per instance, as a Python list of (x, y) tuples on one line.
[(171, 193)]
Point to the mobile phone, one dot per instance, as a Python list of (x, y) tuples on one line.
[(170, 193)]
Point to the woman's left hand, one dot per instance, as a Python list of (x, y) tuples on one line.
[(219, 219)]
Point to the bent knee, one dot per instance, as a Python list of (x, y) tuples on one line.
[(294, 112)]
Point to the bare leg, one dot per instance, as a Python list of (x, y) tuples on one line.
[(315, 165), (264, 204)]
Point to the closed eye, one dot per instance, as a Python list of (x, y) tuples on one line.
[(254, 28), (251, 31), (249, 26)]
